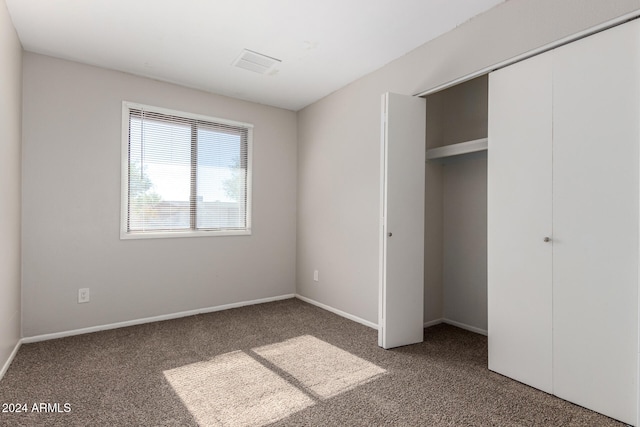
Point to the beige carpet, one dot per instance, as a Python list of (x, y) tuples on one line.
[(235, 390), (285, 363)]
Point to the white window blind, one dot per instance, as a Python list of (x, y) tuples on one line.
[(185, 174)]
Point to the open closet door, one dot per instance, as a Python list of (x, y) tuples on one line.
[(402, 220)]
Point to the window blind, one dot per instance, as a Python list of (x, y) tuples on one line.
[(186, 174)]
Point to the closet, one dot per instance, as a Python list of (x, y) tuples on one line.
[(561, 154), (433, 234), (456, 206), (563, 224)]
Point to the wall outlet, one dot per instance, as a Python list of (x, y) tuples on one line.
[(315, 275), (83, 295)]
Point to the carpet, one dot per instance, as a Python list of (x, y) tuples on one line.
[(285, 363)]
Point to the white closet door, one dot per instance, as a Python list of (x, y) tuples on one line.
[(402, 221), (595, 209), (519, 219)]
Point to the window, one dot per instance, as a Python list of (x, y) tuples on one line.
[(184, 174)]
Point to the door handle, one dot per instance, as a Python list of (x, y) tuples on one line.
[(547, 239), (389, 234)]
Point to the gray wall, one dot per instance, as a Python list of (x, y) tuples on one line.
[(339, 137), (458, 114), (10, 116), (465, 240), (71, 206)]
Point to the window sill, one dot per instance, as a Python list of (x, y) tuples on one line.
[(173, 234)]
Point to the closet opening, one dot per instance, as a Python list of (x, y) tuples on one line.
[(455, 263)]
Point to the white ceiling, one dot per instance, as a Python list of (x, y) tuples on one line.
[(323, 44)]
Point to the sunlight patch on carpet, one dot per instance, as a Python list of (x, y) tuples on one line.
[(235, 390), (322, 368)]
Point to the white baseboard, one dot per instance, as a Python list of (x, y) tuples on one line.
[(341, 313), (56, 335), (432, 323), (10, 359), (456, 324), (465, 326), (338, 312)]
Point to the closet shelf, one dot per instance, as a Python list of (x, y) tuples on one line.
[(457, 149)]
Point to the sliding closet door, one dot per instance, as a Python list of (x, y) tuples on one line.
[(519, 220), (595, 210)]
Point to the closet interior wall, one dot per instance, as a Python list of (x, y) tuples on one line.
[(455, 288)]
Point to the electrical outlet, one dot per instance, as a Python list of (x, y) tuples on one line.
[(83, 295), (315, 275)]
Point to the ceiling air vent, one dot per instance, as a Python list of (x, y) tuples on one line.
[(256, 62)]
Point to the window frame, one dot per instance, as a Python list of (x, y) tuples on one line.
[(125, 234)]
